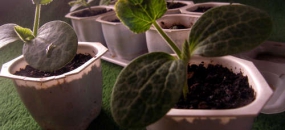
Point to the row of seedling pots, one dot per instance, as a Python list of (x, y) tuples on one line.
[(120, 41), (72, 100)]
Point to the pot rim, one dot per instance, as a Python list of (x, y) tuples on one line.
[(70, 14), (175, 15), (184, 2), (96, 46), (262, 91), (185, 10), (101, 19)]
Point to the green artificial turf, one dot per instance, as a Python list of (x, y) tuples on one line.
[(13, 114)]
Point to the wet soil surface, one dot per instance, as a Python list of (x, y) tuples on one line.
[(174, 5), (173, 26), (202, 9), (77, 61), (115, 20), (216, 87)]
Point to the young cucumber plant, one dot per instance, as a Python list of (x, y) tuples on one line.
[(75, 4), (151, 84), (47, 48)]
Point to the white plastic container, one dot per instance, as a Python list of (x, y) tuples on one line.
[(226, 119), (69, 101), (122, 42), (156, 43), (191, 8), (269, 58), (87, 28)]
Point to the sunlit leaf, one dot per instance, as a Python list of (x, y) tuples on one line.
[(25, 34), (139, 15)]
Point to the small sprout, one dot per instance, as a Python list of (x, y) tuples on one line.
[(75, 4), (25, 34)]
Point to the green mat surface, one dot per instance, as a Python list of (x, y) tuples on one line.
[(13, 114)]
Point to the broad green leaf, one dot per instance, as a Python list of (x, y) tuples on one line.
[(147, 89), (138, 15), (25, 34), (55, 46), (42, 2), (72, 3), (7, 34), (228, 30)]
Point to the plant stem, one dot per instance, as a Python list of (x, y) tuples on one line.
[(37, 19), (185, 91), (168, 40)]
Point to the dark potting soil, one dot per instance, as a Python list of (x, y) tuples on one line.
[(173, 26), (77, 61), (216, 87), (202, 9), (88, 13), (174, 5), (266, 56), (115, 20)]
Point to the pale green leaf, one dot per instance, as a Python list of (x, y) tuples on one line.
[(25, 34), (139, 15), (7, 34), (79, 3), (228, 30), (147, 89), (55, 46), (42, 2)]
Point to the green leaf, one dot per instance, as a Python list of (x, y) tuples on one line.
[(42, 2), (228, 30), (55, 46), (89, 1), (79, 3), (7, 34), (147, 89), (25, 34), (139, 15), (74, 6)]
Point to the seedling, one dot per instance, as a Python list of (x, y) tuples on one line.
[(151, 84), (75, 4), (47, 48)]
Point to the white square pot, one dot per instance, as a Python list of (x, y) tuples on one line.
[(156, 43), (190, 8), (269, 58), (122, 42), (177, 10), (87, 28), (226, 119), (69, 101)]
